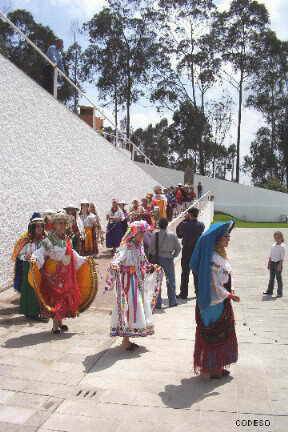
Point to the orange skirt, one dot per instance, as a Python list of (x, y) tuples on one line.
[(89, 241)]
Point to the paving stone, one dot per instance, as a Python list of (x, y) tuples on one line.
[(154, 388), (6, 395), (15, 415)]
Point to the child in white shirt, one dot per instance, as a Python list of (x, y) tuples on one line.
[(275, 264)]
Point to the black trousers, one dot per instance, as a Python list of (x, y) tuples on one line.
[(185, 276), (275, 273), (48, 78)]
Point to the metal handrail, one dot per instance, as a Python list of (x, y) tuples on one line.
[(57, 72), (195, 203)]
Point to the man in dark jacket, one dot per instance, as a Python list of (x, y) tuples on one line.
[(189, 231)]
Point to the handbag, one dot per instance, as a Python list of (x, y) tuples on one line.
[(154, 258)]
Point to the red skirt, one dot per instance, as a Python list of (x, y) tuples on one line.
[(216, 345)]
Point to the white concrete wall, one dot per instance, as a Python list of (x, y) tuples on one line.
[(245, 202), (165, 176), (49, 158)]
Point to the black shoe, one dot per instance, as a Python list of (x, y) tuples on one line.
[(56, 332), (181, 296), (279, 295), (174, 305), (267, 293)]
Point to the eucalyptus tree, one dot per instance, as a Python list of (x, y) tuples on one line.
[(236, 33), (118, 58)]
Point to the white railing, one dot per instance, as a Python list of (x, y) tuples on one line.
[(119, 138), (205, 204)]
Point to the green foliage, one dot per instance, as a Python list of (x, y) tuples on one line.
[(223, 217), (268, 160), (22, 54), (118, 57), (236, 33), (154, 142)]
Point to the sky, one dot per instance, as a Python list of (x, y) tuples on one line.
[(59, 14)]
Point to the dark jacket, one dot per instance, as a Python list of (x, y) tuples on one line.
[(189, 231)]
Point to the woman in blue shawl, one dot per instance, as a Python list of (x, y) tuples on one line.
[(215, 340)]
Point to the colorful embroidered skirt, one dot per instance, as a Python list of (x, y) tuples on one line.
[(215, 339), (134, 301)]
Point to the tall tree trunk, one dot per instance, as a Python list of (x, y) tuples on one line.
[(128, 105), (233, 168), (240, 99), (116, 114), (192, 66), (202, 101), (128, 102), (75, 82), (272, 132), (201, 159)]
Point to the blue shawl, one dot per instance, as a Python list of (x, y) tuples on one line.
[(201, 258)]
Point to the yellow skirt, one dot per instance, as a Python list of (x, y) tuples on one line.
[(89, 241), (86, 277)]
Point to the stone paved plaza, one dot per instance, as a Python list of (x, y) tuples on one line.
[(83, 382)]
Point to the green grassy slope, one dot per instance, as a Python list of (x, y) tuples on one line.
[(222, 217)]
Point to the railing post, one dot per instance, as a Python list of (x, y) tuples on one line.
[(116, 139), (133, 153), (55, 82)]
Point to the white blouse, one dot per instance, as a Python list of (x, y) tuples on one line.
[(130, 257), (118, 215), (221, 270), (89, 221), (29, 249), (277, 252)]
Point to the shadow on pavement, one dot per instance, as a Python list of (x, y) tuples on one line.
[(190, 391), (35, 339), (107, 358), (9, 310), (268, 298), (18, 320)]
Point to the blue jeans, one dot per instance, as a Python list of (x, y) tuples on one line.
[(168, 266)]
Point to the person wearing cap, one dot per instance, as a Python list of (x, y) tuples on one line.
[(114, 232), (75, 227), (147, 215), (189, 230), (98, 234), (122, 205), (29, 304), (136, 211), (89, 221), (159, 202), (47, 217), (58, 264), (149, 197)]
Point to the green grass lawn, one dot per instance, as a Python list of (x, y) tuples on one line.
[(222, 217)]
